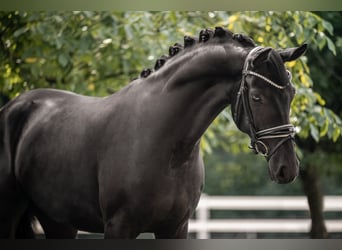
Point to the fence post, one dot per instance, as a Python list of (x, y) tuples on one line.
[(203, 215)]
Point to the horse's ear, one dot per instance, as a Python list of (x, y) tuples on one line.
[(261, 56), (292, 54)]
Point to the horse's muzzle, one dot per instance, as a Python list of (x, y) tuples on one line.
[(283, 172)]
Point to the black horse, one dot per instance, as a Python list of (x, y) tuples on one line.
[(130, 162)]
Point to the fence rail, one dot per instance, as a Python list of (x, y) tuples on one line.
[(203, 224)]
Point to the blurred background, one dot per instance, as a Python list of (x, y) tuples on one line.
[(97, 53)]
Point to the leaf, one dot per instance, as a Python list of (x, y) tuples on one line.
[(319, 98), (336, 134), (59, 42), (314, 132), (91, 87), (299, 33), (331, 46), (35, 71), (339, 42), (20, 31), (324, 128), (306, 80), (328, 26), (31, 59), (291, 64), (63, 60), (321, 42), (233, 18), (205, 146), (129, 33), (85, 43)]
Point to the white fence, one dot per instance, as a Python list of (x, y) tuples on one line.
[(203, 225)]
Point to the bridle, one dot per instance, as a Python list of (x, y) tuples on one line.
[(284, 132)]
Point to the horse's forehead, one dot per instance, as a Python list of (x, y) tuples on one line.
[(275, 57), (275, 66)]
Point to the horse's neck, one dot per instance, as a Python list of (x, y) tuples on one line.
[(202, 64), (179, 101)]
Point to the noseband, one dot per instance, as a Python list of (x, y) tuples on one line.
[(283, 132)]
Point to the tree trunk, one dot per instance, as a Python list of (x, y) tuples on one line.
[(312, 189)]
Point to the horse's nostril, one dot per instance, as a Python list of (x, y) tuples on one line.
[(281, 172), (283, 175)]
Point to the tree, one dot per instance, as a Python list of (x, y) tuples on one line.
[(322, 156)]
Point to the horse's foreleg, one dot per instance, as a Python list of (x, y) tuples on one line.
[(24, 228), (180, 232), (7, 226), (55, 230), (120, 227), (10, 215)]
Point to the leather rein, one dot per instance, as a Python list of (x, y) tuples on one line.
[(283, 132)]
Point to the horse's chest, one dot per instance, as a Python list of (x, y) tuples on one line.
[(171, 200)]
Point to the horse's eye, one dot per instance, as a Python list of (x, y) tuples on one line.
[(289, 75), (256, 98)]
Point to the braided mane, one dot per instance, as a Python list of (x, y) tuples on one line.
[(219, 35)]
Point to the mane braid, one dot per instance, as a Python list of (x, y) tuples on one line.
[(219, 35), (244, 40)]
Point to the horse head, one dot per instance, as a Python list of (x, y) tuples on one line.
[(262, 108)]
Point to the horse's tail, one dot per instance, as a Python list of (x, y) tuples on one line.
[(13, 118), (5, 158), (3, 155)]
